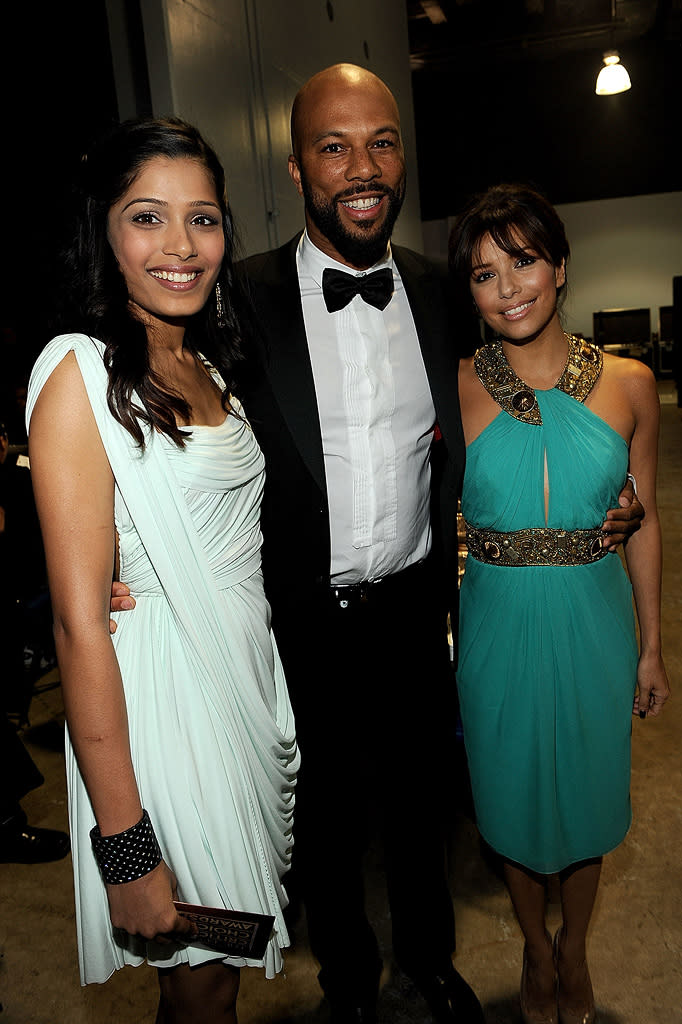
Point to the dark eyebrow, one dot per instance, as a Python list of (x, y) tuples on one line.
[(524, 250), (162, 202), (338, 134)]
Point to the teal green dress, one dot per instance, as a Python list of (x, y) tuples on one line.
[(547, 653)]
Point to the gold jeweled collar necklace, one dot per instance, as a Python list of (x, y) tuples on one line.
[(514, 396)]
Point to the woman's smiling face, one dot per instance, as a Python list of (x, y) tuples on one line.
[(167, 236), (516, 293)]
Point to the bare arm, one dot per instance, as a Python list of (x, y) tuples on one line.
[(643, 549), (74, 491)]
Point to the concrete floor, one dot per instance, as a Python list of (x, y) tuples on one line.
[(635, 942)]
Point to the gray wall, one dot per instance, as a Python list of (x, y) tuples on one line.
[(233, 67), (624, 253)]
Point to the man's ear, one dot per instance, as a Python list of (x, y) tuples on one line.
[(295, 172)]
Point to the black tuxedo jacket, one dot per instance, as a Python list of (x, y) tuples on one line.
[(281, 405)]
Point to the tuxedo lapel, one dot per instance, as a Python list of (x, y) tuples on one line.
[(285, 354), (425, 291)]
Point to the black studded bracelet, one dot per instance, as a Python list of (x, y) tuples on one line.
[(128, 855)]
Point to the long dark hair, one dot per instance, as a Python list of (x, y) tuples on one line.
[(514, 215), (93, 296)]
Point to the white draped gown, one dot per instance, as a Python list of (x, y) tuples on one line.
[(211, 726)]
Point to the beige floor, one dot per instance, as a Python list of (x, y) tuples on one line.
[(636, 937)]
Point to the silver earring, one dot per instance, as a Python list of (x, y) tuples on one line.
[(219, 307)]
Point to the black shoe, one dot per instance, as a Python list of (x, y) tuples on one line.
[(20, 843), (342, 1014), (450, 998)]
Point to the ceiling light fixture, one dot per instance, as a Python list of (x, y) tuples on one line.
[(613, 77)]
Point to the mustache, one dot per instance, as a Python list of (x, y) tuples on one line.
[(358, 190)]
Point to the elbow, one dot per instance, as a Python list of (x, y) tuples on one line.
[(77, 632)]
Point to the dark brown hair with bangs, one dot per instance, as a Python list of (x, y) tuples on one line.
[(517, 217)]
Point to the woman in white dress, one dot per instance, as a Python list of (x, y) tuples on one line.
[(181, 755)]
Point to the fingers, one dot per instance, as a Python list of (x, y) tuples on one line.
[(121, 601), (627, 494), (611, 540), (644, 701), (649, 703), (620, 515), (613, 531), (120, 597), (182, 932), (656, 702), (622, 522), (627, 511)]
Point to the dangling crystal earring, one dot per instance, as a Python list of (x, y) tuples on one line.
[(219, 308)]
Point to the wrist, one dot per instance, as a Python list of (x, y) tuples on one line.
[(128, 855)]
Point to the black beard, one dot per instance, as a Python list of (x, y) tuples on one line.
[(359, 250)]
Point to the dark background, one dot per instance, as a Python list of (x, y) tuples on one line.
[(58, 88), (502, 89)]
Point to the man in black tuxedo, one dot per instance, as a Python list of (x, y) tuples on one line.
[(356, 409)]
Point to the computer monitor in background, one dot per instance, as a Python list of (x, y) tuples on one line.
[(624, 332)]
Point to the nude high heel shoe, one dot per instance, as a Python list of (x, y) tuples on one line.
[(585, 1015)]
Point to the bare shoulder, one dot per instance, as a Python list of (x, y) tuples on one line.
[(467, 373), (65, 383), (636, 383), (630, 371), (62, 414)]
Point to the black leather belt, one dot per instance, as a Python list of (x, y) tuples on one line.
[(347, 595)]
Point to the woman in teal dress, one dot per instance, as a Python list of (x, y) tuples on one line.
[(549, 670)]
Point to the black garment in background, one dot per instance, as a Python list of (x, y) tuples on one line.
[(18, 772), (24, 604)]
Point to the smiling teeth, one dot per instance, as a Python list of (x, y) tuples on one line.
[(362, 204), (517, 309), (164, 275)]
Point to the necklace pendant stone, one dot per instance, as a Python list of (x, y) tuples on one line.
[(523, 401)]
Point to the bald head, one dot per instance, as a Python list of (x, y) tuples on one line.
[(348, 163), (338, 84)]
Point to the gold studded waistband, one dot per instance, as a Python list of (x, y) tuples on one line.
[(541, 546)]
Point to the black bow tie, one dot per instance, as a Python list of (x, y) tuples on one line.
[(339, 288)]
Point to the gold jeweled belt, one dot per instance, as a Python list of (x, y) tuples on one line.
[(541, 546)]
